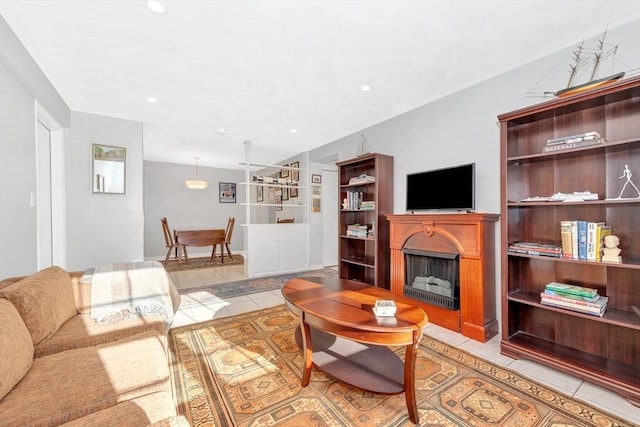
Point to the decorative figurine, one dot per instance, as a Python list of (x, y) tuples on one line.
[(626, 174), (611, 252), (345, 203)]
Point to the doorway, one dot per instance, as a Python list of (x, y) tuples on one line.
[(49, 197)]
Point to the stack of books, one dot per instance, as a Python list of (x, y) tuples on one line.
[(575, 298), (367, 205), (357, 230), (362, 179), (384, 308), (354, 198), (535, 249)]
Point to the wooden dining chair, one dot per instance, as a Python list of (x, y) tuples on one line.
[(171, 244), (227, 241), (285, 220)]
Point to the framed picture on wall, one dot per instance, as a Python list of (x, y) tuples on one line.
[(227, 192), (284, 173), (293, 192), (285, 193), (316, 179), (260, 193), (295, 173), (109, 169), (316, 190), (316, 206), (279, 203)]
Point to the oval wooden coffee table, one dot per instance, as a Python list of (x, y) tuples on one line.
[(341, 335)]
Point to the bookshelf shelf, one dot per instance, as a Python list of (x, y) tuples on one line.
[(603, 350)]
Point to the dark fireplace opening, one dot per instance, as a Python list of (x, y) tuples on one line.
[(433, 277)]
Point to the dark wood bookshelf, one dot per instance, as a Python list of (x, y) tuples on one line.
[(366, 259), (603, 350)]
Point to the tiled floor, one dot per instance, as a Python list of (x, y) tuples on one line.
[(198, 306)]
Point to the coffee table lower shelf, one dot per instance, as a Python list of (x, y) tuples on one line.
[(369, 367)]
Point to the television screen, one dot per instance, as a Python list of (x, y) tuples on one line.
[(451, 188)]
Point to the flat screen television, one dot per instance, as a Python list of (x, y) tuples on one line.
[(451, 188)]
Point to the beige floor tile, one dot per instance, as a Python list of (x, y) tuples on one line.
[(608, 401)]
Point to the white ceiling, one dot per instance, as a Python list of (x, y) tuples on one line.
[(260, 68)]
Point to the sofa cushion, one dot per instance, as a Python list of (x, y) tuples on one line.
[(44, 300), (16, 347), (66, 386), (152, 408), (82, 331)]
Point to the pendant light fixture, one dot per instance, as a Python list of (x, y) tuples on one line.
[(196, 184)]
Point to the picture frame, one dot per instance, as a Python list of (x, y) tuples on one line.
[(285, 193), (227, 192), (316, 190), (293, 192), (316, 179), (108, 169), (271, 195), (295, 173), (260, 193), (316, 205), (278, 203), (284, 173)]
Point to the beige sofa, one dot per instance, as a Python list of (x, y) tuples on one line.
[(57, 366)]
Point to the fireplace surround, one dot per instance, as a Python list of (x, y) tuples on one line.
[(467, 238)]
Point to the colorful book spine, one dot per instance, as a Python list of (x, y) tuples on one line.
[(565, 236), (597, 302), (553, 293), (575, 307), (574, 239), (582, 240), (572, 289)]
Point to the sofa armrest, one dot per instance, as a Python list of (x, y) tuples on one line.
[(81, 292)]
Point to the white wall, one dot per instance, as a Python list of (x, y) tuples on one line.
[(103, 228), (21, 84), (165, 195)]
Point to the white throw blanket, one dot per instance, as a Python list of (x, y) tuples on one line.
[(126, 290)]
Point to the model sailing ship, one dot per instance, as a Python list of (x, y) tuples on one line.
[(587, 62), (596, 59)]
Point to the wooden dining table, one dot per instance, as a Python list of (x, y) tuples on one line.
[(207, 237)]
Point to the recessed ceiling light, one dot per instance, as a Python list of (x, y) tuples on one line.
[(365, 88), (152, 100), (292, 130), (221, 131), (156, 6)]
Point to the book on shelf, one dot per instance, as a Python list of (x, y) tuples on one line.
[(583, 239), (565, 288), (539, 249), (566, 239), (362, 179), (602, 231), (596, 311), (357, 230), (561, 295)]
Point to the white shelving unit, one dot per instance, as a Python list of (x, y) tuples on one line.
[(275, 248)]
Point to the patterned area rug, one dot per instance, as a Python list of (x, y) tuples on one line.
[(203, 262), (245, 370), (260, 284)]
